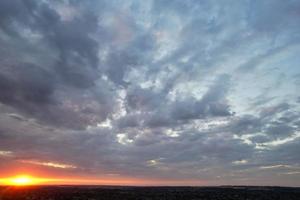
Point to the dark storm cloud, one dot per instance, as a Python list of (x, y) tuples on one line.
[(31, 87), (246, 124), (28, 86), (119, 62), (193, 109), (280, 130), (17, 11), (212, 104), (267, 125), (157, 89), (159, 111), (143, 99)]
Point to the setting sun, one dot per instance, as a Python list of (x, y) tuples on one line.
[(21, 180)]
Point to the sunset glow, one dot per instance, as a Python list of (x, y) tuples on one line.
[(20, 180), (25, 180), (29, 180)]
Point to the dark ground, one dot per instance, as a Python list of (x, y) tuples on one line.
[(143, 193)]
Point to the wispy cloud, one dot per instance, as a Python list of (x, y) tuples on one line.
[(6, 153), (50, 164)]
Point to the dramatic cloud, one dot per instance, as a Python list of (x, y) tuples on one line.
[(168, 90)]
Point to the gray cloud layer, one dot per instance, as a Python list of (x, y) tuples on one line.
[(175, 90)]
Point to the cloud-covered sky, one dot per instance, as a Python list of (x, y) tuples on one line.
[(175, 92)]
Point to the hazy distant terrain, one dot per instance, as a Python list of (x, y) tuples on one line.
[(147, 193)]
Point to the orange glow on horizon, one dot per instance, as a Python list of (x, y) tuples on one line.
[(20, 180), (28, 180)]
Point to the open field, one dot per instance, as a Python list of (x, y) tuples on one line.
[(147, 193)]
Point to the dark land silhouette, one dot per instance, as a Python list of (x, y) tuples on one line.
[(147, 193)]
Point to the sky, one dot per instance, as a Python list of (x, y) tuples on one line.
[(152, 92)]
